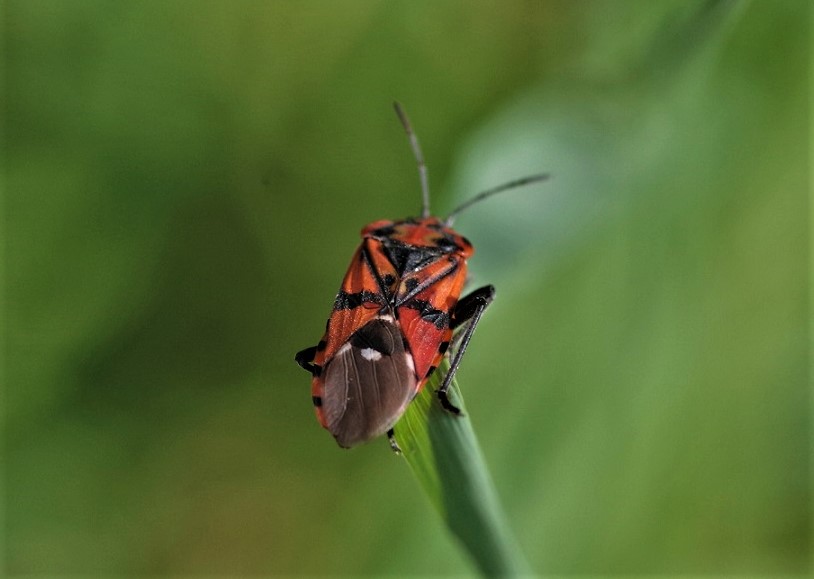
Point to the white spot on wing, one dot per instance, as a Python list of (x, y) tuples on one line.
[(371, 354), (410, 363)]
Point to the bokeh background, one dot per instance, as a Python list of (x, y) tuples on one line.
[(184, 185)]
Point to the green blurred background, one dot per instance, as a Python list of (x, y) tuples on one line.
[(184, 185)]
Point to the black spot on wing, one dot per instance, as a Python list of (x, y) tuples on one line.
[(349, 301), (429, 314), (377, 335), (317, 401)]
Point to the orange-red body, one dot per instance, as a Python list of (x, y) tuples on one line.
[(412, 270)]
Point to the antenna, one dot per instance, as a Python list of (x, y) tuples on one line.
[(489, 192), (419, 157)]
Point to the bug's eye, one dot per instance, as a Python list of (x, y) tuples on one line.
[(385, 231), (446, 244), (383, 225)]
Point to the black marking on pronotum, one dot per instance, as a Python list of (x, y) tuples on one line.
[(348, 301), (430, 371), (429, 314), (442, 347), (317, 370), (317, 400), (322, 345)]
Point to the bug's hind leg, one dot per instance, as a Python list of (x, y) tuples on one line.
[(305, 358), (467, 312), (391, 438)]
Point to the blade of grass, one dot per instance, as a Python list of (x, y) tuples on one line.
[(445, 457)]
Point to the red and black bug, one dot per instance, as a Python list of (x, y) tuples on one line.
[(394, 318)]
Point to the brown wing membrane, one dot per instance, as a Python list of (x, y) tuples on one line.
[(368, 383)]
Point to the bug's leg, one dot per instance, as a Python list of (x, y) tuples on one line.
[(467, 311), (305, 357), (391, 438), (455, 342)]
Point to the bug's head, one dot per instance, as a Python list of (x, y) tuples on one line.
[(430, 232)]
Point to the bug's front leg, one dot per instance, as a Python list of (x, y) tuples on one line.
[(305, 358), (468, 312)]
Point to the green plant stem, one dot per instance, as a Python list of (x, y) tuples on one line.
[(445, 457)]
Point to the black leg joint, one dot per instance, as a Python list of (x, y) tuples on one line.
[(470, 304), (446, 404), (305, 358)]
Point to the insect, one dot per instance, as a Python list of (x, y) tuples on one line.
[(395, 317)]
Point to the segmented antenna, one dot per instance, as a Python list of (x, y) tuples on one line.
[(419, 157), (489, 192)]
